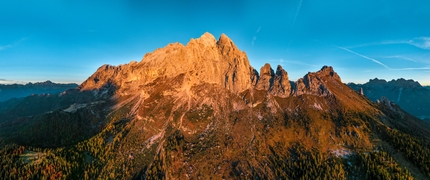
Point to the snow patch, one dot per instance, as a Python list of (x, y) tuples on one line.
[(400, 94), (152, 140), (317, 106), (342, 152), (74, 107), (259, 117)]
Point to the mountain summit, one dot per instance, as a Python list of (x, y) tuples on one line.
[(202, 60), (200, 111), (205, 60)]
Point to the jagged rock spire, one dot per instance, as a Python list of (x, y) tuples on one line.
[(266, 78), (281, 85)]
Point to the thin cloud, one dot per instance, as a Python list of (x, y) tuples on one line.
[(419, 68), (363, 56), (7, 81), (259, 28), (6, 47), (419, 42), (297, 63), (255, 37), (399, 57), (297, 12), (253, 40), (12, 45), (380, 63)]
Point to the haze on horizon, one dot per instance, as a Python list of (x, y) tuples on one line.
[(66, 41)]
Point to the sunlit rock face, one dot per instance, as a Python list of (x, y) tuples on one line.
[(276, 83), (202, 60), (315, 83)]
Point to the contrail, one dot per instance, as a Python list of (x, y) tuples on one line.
[(12, 45), (363, 56), (297, 12), (382, 64)]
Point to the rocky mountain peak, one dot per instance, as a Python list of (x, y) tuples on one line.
[(226, 46), (276, 83), (377, 81), (202, 60), (405, 83), (281, 85), (280, 71), (316, 83), (328, 71), (205, 60), (205, 40), (267, 75), (224, 40)]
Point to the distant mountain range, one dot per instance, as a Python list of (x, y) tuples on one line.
[(8, 91), (201, 111), (408, 94)]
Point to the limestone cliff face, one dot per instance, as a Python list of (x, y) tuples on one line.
[(275, 83), (315, 83), (265, 82), (281, 84), (205, 60), (202, 60)]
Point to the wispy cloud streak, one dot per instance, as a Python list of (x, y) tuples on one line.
[(259, 28), (11, 45), (419, 42), (399, 57), (255, 37), (297, 12), (7, 81), (379, 62), (297, 62), (6, 47), (363, 56)]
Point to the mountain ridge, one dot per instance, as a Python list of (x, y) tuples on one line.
[(200, 111), (8, 91), (408, 94)]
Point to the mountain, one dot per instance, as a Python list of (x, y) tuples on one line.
[(200, 111), (408, 94), (19, 90)]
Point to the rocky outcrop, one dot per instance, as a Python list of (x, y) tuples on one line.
[(276, 84), (281, 84), (316, 83), (265, 82), (205, 60), (202, 60)]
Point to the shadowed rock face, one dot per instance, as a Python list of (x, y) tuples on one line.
[(408, 94), (18, 90)]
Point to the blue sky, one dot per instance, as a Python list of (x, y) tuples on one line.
[(66, 41)]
